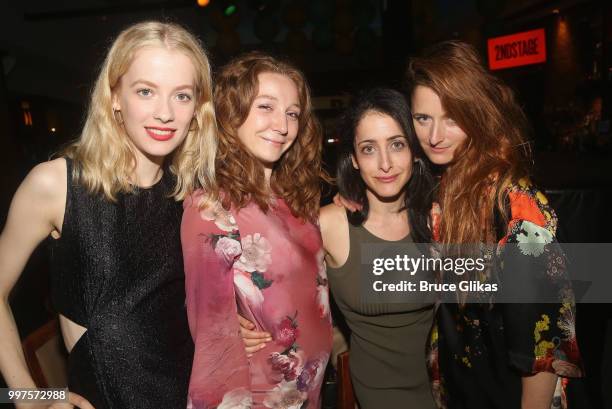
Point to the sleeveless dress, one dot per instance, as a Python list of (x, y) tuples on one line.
[(269, 268), (388, 340), (117, 270)]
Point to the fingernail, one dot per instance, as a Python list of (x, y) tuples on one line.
[(249, 355), (268, 339), (262, 346)]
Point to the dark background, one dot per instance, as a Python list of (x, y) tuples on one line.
[(51, 51)]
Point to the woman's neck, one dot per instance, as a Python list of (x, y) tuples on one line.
[(386, 213), (148, 171), (386, 217), (384, 207)]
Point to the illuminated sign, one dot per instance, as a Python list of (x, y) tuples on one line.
[(518, 49)]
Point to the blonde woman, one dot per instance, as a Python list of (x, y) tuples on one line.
[(111, 209)]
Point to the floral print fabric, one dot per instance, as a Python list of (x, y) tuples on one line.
[(478, 352), (269, 268)]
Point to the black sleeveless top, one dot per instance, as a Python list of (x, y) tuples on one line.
[(117, 270)]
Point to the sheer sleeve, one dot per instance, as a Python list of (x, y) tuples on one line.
[(211, 243), (540, 336)]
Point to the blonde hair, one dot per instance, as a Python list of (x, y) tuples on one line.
[(104, 156)]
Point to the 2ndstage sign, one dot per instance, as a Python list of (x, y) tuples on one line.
[(514, 50)]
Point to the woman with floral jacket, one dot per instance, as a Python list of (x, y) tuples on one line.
[(500, 353)]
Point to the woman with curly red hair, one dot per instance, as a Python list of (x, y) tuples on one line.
[(253, 247), (490, 355)]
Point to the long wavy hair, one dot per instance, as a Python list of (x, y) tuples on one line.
[(104, 156), (297, 175), (418, 191), (495, 153)]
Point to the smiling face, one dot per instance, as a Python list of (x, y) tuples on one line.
[(272, 124), (439, 135), (382, 155), (156, 100)]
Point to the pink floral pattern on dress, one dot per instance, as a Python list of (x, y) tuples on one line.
[(286, 396), (255, 254), (227, 247), (222, 218), (236, 399), (244, 285), (287, 332), (322, 287), (288, 365), (269, 268), (294, 393)]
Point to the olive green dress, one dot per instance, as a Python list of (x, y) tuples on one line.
[(387, 344)]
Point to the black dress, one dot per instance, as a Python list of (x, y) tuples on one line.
[(480, 352), (117, 270)]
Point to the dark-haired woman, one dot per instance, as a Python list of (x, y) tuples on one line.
[(381, 166), (491, 355)]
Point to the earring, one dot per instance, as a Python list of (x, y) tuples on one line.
[(117, 115)]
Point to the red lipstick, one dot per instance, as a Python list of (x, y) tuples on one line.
[(159, 133)]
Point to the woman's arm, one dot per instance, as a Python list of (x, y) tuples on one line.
[(540, 333), (220, 371), (335, 234), (538, 390), (36, 210)]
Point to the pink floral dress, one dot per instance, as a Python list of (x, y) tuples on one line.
[(269, 268)]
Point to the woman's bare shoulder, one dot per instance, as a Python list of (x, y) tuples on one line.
[(47, 180), (331, 215)]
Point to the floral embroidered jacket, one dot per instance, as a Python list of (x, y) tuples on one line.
[(269, 268), (479, 352)]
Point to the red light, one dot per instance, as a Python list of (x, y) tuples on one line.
[(528, 47)]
